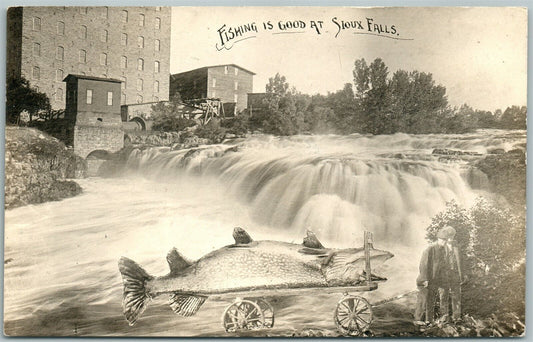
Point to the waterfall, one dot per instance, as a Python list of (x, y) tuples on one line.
[(336, 186)]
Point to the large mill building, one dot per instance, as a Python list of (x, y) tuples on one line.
[(130, 44)]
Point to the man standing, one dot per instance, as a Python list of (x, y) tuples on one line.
[(438, 275), (451, 287)]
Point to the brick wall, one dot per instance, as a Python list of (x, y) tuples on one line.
[(70, 36), (224, 86), (14, 41)]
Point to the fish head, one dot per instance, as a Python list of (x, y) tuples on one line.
[(346, 266)]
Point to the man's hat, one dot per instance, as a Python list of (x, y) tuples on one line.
[(446, 233)]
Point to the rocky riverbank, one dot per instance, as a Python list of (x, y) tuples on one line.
[(38, 167)]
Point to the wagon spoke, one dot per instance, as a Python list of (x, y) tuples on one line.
[(346, 306), (251, 312), (362, 320)]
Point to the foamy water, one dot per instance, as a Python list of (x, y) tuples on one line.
[(63, 277)]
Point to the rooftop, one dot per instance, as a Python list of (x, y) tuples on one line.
[(85, 77), (214, 66)]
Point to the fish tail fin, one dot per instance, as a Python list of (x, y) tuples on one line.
[(184, 304), (135, 296)]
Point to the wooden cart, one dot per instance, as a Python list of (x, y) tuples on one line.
[(352, 315)]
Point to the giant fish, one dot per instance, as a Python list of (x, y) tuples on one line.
[(245, 266)]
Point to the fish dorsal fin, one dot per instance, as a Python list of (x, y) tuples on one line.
[(241, 236), (176, 261), (311, 241)]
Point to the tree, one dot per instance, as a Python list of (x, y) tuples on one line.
[(408, 102), (168, 116), (21, 97), (514, 118)]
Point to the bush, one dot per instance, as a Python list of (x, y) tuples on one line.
[(492, 244), (212, 131), (238, 125)]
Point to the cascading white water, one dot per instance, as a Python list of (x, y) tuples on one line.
[(336, 186), (62, 276)]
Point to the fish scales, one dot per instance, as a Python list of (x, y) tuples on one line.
[(267, 264)]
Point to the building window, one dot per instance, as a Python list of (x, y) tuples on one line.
[(236, 84), (109, 98), (214, 82), (226, 69), (140, 42), (157, 45), (124, 39), (83, 10), (89, 96), (140, 84), (140, 64), (105, 12), (157, 23), (124, 16), (157, 66), (36, 73), (123, 62), (36, 49), (82, 56), (59, 94), (123, 98), (156, 86), (60, 53), (235, 98), (123, 83), (83, 34), (36, 24), (103, 59), (103, 36), (60, 28), (236, 71), (59, 75), (141, 19), (139, 99)]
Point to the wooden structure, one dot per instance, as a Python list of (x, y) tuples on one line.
[(209, 108)]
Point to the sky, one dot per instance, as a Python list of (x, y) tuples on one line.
[(479, 54)]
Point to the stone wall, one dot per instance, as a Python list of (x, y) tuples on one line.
[(90, 138)]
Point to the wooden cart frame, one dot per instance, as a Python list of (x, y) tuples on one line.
[(353, 314)]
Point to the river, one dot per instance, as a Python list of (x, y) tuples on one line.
[(61, 275)]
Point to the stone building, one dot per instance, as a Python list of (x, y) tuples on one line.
[(130, 44), (230, 83), (93, 109)]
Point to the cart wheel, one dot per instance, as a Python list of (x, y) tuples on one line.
[(243, 314), (268, 312), (353, 315)]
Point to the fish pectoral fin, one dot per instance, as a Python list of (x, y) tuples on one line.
[(311, 241), (186, 305), (241, 236), (176, 261)]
